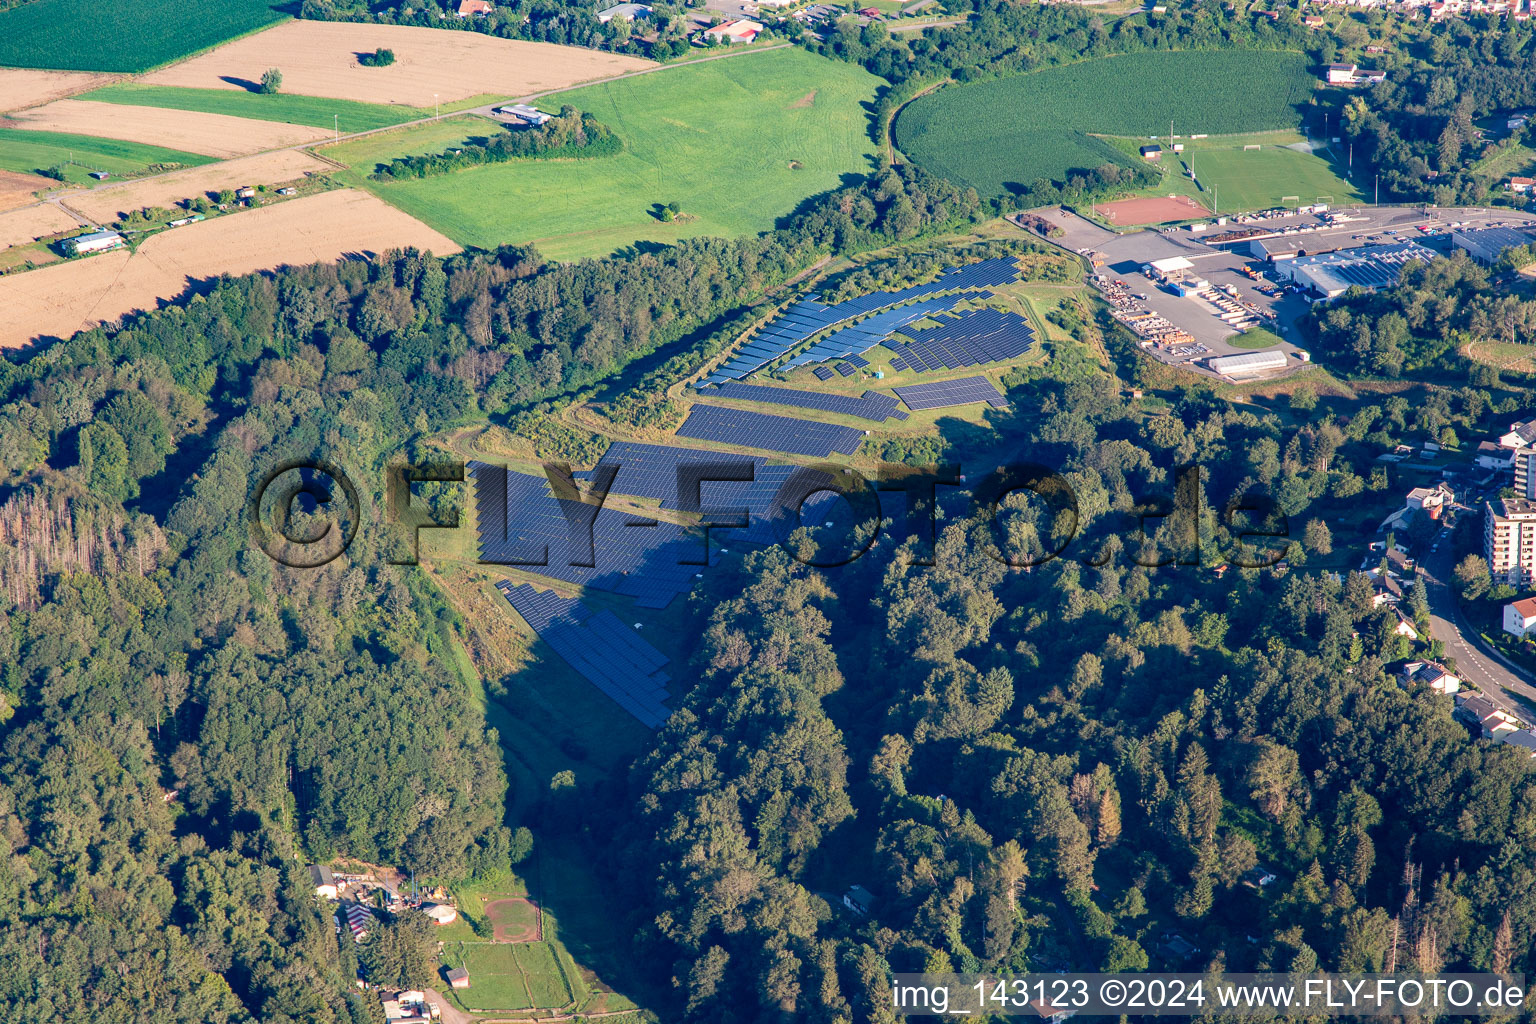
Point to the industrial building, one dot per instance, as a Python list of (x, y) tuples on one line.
[(1509, 541), (1331, 274), (522, 112), (1249, 364), (1486, 245)]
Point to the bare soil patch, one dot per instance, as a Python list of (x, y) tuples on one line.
[(809, 99), (1152, 211), (56, 301), (17, 189), (209, 134), (22, 87), (515, 919), (319, 58), (28, 224), (110, 201)]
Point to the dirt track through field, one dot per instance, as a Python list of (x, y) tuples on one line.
[(56, 301), (277, 167), (18, 227), (209, 134), (319, 58), (23, 87)]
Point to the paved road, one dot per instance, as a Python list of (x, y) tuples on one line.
[(1475, 661)]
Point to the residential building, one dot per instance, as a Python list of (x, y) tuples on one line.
[(1491, 455), (1482, 713), (1039, 1009), (475, 8), (1520, 435), (1509, 540), (324, 882), (1432, 675), (1521, 186), (1524, 462), (1259, 877), (1430, 500), (1341, 74), (859, 900), (1520, 616), (737, 31)]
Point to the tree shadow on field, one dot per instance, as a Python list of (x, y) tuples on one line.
[(244, 83)]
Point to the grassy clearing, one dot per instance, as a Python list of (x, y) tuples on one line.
[(124, 35), (370, 152), (29, 151), (1013, 131), (1253, 338), (314, 111), (735, 142)]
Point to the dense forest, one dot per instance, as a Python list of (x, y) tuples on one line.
[(184, 722)]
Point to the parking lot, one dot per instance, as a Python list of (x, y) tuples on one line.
[(1121, 281)]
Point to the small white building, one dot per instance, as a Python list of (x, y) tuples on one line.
[(96, 241), (1520, 435), (1341, 74), (1494, 456), (522, 112), (1520, 616), (1430, 500), (1428, 673), (440, 913), (624, 12), (324, 882), (740, 30), (1249, 364), (859, 900)]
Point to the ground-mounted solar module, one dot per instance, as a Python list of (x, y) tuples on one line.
[(896, 364), (872, 405), (845, 369), (858, 361), (822, 373), (968, 339), (945, 393), (808, 317), (523, 525), (599, 647), (768, 432)]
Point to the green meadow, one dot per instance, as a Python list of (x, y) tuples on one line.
[(314, 111), (737, 143), (29, 151)]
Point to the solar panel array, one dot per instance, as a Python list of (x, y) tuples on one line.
[(945, 393), (970, 339), (822, 373), (769, 433), (872, 330), (809, 316), (858, 361), (872, 405), (521, 523), (600, 647)]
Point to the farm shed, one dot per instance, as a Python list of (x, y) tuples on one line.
[(1151, 152), (96, 241), (458, 977)]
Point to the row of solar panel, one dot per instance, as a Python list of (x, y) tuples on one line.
[(599, 647), (983, 336), (945, 393), (520, 523), (809, 316), (871, 331), (769, 433), (872, 405)]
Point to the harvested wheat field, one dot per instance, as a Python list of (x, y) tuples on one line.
[(319, 58), (110, 201), (22, 87), (16, 189), (28, 224), (56, 301), (209, 134)]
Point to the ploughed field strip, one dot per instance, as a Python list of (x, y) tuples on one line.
[(945, 393), (970, 339), (810, 317), (872, 405), (522, 524), (768, 432), (598, 646)]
